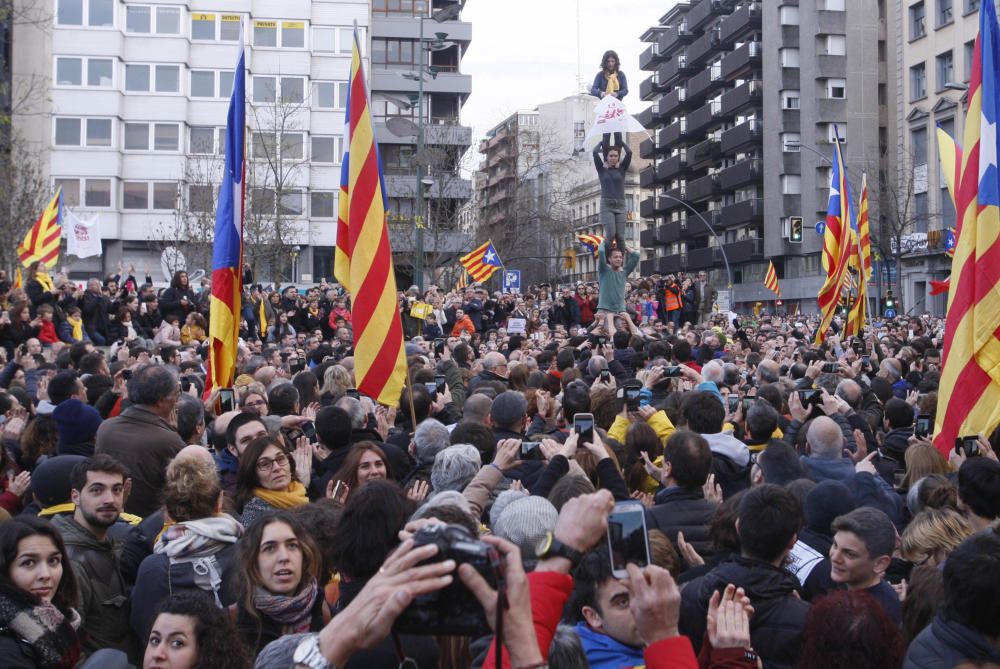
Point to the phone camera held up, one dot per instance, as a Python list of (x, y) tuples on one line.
[(968, 446), (453, 610)]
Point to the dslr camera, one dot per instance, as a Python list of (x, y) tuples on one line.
[(454, 610)]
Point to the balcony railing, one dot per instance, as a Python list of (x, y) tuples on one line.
[(670, 103), (702, 118), (703, 188), (741, 174), (742, 213), (739, 62), (703, 12), (673, 39), (704, 154), (745, 96), (743, 135), (703, 47), (740, 23)]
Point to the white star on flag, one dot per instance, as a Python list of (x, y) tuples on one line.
[(489, 257), (987, 146)]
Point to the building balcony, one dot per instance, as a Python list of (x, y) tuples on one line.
[(673, 39), (447, 134), (671, 231), (645, 117), (742, 136), (704, 154), (831, 22), (671, 199), (704, 47), (703, 188), (704, 83), (671, 167), (672, 102), (647, 177), (675, 69), (740, 23), (742, 213), (647, 238), (648, 267), (745, 250), (702, 118), (703, 258), (742, 61), (831, 110), (672, 134), (830, 65), (650, 58), (741, 174), (671, 264), (746, 96), (647, 208), (403, 240), (646, 149), (702, 13)]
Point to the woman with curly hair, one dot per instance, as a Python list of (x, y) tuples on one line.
[(190, 632), (610, 80)]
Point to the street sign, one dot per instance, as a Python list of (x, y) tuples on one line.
[(724, 301), (820, 227), (512, 281)]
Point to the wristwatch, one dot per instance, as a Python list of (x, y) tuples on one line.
[(307, 653), (549, 547)]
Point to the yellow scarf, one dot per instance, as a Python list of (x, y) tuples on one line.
[(262, 317), (70, 507), (292, 496), (612, 83), (44, 279), (76, 324)]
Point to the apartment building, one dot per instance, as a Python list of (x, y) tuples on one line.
[(935, 49), (748, 100)]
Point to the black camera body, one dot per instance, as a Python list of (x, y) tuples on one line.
[(453, 610)]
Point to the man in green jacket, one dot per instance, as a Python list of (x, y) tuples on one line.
[(98, 485), (613, 270)]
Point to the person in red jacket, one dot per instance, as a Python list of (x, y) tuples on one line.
[(462, 323)]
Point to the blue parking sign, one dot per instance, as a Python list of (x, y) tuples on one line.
[(512, 281)]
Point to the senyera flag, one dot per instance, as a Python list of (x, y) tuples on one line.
[(43, 239), (859, 312), (227, 254), (363, 260), (771, 279), (838, 241), (969, 390)]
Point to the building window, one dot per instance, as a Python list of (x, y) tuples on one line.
[(293, 89), (970, 52), (918, 21), (918, 146), (292, 146), (944, 12), (68, 131), (971, 6), (202, 83), (201, 141), (330, 94), (321, 204), (224, 27), (335, 40), (791, 184), (264, 89), (789, 99), (164, 195), (165, 78), (835, 131), (836, 88), (395, 54), (99, 13), (789, 57), (140, 19), (407, 7), (135, 195), (137, 137), (791, 142), (166, 136), (283, 34), (201, 198), (945, 70), (836, 45), (291, 203), (834, 5), (97, 193), (918, 82), (327, 149), (70, 191), (91, 132), (921, 211), (788, 15), (70, 71), (100, 72)]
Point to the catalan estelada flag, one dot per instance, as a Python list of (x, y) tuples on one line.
[(42, 241), (950, 154), (227, 253), (859, 311), (969, 391), (363, 264), (771, 279), (481, 263), (838, 241), (592, 242)]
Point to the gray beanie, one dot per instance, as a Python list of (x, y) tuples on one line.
[(501, 502), (446, 498), (525, 522)]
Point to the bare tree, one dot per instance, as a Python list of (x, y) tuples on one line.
[(24, 191)]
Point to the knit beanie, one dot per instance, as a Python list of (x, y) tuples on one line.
[(501, 503), (525, 522), (76, 422), (445, 498), (50, 482), (825, 502)]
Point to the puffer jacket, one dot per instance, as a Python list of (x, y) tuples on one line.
[(945, 644), (779, 616), (687, 511), (103, 604)]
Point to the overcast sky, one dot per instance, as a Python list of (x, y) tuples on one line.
[(524, 52)]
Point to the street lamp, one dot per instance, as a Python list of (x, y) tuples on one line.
[(708, 225), (296, 250)]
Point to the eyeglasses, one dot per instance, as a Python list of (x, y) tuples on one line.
[(266, 465), (255, 403)]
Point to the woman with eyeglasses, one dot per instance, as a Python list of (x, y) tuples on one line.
[(279, 562), (266, 479)]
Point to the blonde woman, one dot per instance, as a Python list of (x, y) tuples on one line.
[(336, 382), (932, 535)]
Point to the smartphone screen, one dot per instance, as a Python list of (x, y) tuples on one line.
[(747, 401), (583, 424), (530, 450), (308, 430), (672, 371), (628, 541), (922, 428), (734, 402), (439, 382), (632, 398), (227, 399)]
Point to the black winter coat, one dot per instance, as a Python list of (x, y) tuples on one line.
[(687, 511), (944, 644), (779, 616)]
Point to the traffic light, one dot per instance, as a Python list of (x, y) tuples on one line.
[(795, 229), (889, 302), (569, 259)]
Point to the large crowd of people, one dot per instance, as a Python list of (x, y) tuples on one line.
[(796, 512)]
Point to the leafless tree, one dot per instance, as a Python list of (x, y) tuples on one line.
[(191, 229), (24, 191)]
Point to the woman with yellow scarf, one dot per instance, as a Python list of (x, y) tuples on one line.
[(269, 478), (610, 81)]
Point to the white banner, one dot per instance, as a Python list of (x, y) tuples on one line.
[(83, 238), (610, 116)]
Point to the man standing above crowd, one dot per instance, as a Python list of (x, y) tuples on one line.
[(613, 271)]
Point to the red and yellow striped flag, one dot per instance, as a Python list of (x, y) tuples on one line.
[(969, 392), (463, 281), (592, 242), (859, 312), (482, 262), (771, 280), (42, 241), (838, 242), (363, 264)]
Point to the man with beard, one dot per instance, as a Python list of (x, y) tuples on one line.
[(98, 491)]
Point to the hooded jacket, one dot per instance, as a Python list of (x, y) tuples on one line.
[(603, 652), (946, 643), (681, 510), (730, 462), (779, 616), (103, 604)]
